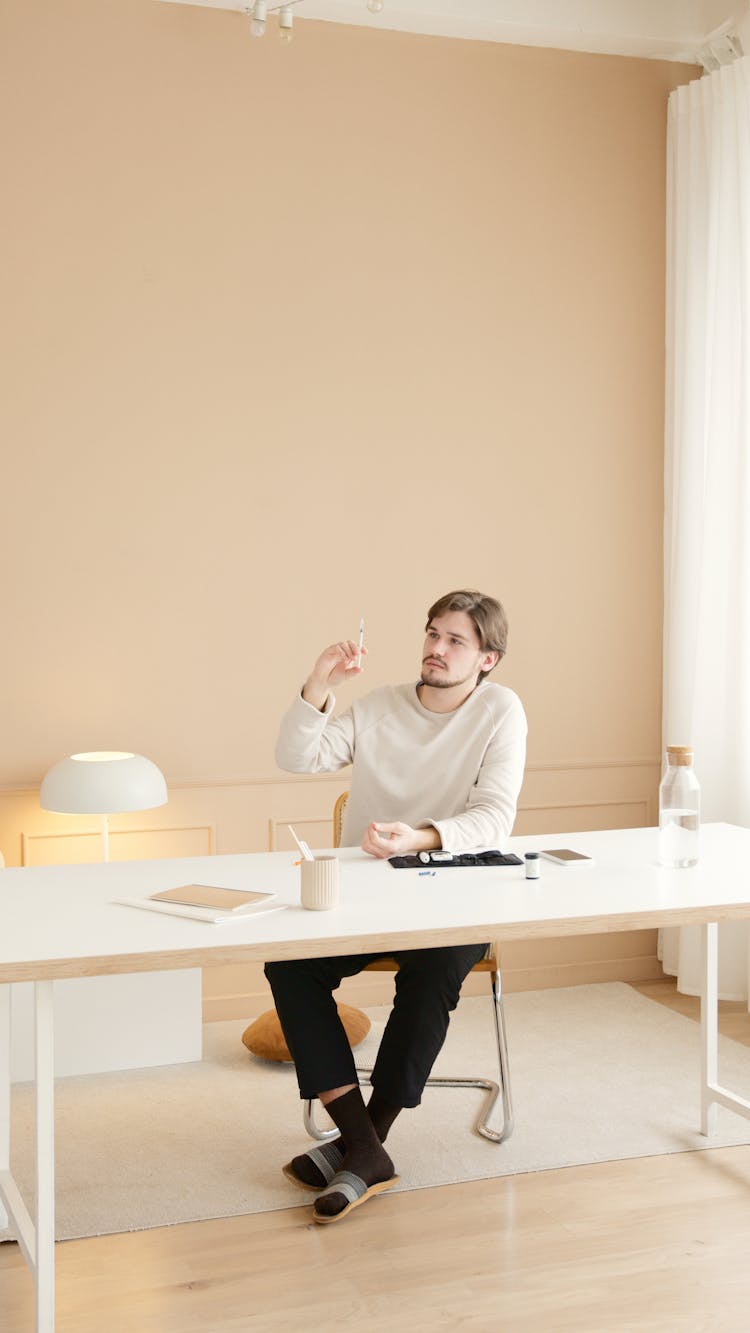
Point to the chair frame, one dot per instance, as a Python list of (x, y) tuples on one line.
[(493, 1090)]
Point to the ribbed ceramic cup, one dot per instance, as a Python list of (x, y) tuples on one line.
[(319, 883)]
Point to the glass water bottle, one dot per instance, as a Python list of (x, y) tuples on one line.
[(679, 810)]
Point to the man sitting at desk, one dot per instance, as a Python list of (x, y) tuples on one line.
[(438, 764)]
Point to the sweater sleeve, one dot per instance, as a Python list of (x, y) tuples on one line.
[(311, 741), (491, 807)]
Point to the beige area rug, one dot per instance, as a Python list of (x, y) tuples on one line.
[(599, 1072)]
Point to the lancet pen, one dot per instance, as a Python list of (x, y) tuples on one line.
[(305, 850)]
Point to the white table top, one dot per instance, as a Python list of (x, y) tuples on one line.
[(61, 921)]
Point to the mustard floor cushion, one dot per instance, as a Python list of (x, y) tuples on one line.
[(265, 1038)]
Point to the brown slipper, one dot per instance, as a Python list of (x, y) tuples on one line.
[(355, 1190), (289, 1172)]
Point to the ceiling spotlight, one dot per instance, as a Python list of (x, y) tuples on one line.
[(375, 6), (258, 17), (286, 23)]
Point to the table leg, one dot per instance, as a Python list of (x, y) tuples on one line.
[(712, 1094), (36, 1239), (709, 1024), (4, 1093), (45, 1157)]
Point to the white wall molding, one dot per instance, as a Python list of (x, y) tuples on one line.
[(59, 842), (279, 839), (641, 802), (554, 765), (343, 775)]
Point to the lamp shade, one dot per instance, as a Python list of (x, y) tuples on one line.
[(104, 782)]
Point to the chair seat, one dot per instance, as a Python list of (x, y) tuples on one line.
[(390, 965)]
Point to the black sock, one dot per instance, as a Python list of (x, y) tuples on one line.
[(305, 1169), (364, 1157), (382, 1115)]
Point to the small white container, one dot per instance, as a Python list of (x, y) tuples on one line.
[(531, 861), (319, 883)]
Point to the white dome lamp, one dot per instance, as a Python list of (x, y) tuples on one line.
[(103, 782)]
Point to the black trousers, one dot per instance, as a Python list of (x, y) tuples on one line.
[(428, 984)]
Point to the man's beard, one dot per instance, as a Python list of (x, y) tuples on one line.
[(443, 681)]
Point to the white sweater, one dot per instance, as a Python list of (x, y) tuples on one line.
[(460, 772)]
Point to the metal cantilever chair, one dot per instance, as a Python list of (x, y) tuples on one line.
[(493, 1090)]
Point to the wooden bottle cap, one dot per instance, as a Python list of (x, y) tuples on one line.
[(680, 754)]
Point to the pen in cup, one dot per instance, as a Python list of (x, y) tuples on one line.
[(305, 850), (361, 641)]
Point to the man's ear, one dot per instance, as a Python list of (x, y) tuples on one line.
[(491, 660)]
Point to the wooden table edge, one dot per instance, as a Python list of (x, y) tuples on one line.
[(45, 969)]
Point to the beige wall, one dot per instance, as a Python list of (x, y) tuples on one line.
[(297, 335)]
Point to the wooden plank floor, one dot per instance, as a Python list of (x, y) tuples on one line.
[(656, 1244)]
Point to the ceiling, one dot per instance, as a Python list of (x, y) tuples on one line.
[(658, 29)]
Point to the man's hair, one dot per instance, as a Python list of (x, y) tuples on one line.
[(487, 614)]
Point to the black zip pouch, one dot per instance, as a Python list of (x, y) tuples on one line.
[(461, 859)]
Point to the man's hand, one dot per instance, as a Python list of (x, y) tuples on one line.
[(398, 839), (334, 665)]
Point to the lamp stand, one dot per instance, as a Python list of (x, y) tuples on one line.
[(105, 837)]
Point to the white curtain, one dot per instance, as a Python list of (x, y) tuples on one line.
[(707, 471)]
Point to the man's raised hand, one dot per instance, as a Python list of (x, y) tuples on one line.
[(335, 664)]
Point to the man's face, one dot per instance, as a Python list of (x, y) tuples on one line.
[(452, 654)]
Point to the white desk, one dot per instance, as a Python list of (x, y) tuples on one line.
[(380, 907)]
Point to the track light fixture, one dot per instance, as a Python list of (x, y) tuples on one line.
[(258, 12), (286, 22)]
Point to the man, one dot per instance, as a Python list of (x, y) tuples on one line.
[(438, 764)]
